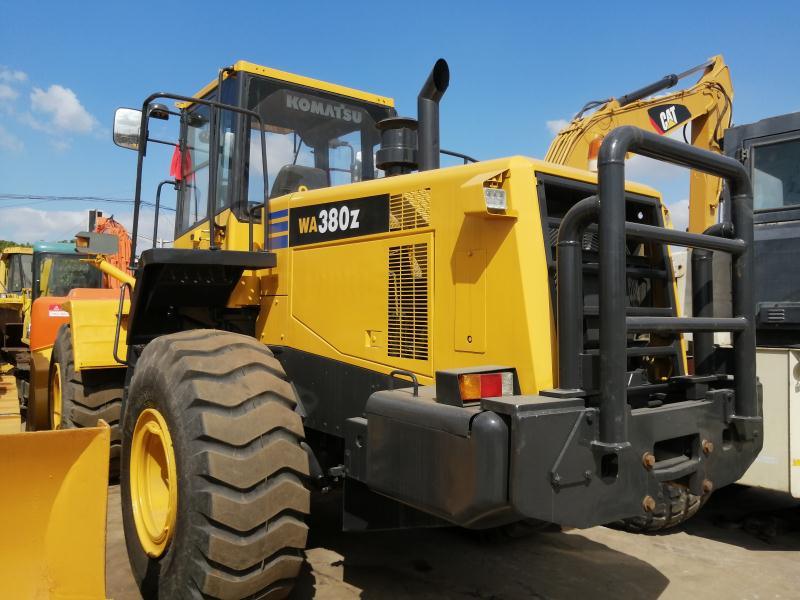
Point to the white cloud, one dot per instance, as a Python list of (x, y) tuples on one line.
[(9, 142), (28, 224), (59, 145), (7, 74), (28, 119), (25, 224), (556, 125), (64, 109), (7, 92), (679, 212)]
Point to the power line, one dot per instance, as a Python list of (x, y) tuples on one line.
[(94, 199)]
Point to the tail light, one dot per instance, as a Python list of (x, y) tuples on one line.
[(474, 386)]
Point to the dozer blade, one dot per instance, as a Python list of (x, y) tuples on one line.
[(53, 487)]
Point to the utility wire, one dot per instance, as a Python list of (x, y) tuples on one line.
[(94, 199)]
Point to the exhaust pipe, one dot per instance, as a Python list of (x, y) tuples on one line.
[(428, 115)]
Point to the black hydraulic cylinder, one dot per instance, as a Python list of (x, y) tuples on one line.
[(648, 90), (428, 115), (613, 323), (570, 290)]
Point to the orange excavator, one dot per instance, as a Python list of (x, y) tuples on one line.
[(706, 106)]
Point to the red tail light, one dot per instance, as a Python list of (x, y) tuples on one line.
[(474, 386)]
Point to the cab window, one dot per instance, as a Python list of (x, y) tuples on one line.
[(314, 139), (19, 273), (60, 273), (194, 168)]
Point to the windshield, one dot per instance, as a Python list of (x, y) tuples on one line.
[(776, 177), (60, 273), (314, 139), (18, 275)]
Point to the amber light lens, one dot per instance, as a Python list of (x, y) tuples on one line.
[(474, 386)]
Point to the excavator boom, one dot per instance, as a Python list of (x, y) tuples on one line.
[(707, 105)]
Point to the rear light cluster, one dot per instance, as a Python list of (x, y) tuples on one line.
[(474, 386)]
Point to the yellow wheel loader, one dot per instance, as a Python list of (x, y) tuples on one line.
[(475, 346), (53, 514)]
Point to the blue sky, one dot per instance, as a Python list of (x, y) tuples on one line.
[(65, 67)]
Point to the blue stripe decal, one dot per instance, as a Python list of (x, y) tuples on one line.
[(279, 214), (281, 241), (278, 227)]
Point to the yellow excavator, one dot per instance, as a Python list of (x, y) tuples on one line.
[(707, 106)]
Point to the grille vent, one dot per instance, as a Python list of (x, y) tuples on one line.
[(410, 210), (408, 302)]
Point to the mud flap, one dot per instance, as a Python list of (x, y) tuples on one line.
[(53, 513)]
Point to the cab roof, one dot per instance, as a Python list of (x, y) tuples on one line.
[(17, 250), (248, 67), (54, 247)]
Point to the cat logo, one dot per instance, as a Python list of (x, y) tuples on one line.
[(666, 117)]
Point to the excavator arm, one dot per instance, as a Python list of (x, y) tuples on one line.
[(707, 105)]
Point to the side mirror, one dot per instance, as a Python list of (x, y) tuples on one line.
[(127, 122)]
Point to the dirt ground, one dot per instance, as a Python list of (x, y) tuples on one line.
[(743, 544)]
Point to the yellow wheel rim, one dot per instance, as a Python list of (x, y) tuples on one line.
[(154, 483), (55, 396)]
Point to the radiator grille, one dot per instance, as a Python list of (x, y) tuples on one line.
[(408, 302), (410, 210)]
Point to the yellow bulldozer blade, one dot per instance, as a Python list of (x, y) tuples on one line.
[(9, 405), (53, 487)]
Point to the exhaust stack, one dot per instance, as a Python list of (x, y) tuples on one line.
[(428, 115)]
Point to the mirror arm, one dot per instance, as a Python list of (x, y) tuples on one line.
[(157, 141)]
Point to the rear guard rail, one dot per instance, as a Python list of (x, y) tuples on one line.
[(614, 322)]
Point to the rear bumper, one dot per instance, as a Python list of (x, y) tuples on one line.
[(535, 457)]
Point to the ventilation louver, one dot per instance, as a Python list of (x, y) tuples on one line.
[(410, 210), (408, 302)]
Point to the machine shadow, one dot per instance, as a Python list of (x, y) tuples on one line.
[(454, 563), (751, 518)]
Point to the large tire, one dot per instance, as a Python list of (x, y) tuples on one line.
[(239, 530), (86, 396), (674, 506)]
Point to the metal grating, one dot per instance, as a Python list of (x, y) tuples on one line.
[(410, 210), (408, 302)]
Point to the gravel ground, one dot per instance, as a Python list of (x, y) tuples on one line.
[(743, 544)]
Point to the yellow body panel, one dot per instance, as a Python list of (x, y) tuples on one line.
[(53, 513), (488, 298), (10, 421), (93, 324), (248, 67)]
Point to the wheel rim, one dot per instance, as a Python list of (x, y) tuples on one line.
[(153, 481), (55, 396)]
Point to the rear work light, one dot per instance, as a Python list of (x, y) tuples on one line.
[(474, 386), (495, 198)]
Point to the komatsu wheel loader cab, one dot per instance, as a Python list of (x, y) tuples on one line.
[(473, 345)]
